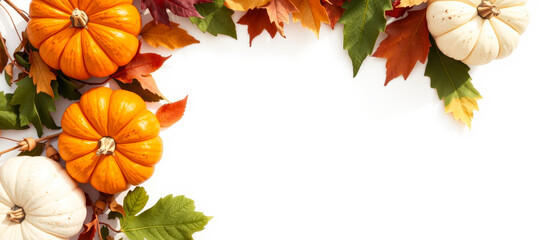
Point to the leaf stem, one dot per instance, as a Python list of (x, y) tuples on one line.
[(6, 47), (18, 10), (46, 138), (110, 227)]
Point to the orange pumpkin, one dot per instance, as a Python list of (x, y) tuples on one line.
[(110, 139), (84, 38)]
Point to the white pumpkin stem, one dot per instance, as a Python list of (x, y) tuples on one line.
[(107, 146), (17, 214), (79, 19), (487, 9)]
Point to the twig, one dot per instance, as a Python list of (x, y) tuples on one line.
[(11, 139), (111, 228), (21, 12), (12, 22), (9, 55), (46, 138)]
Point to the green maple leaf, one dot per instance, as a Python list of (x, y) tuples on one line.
[(453, 83), (34, 108), (9, 115), (171, 218), (363, 21), (217, 19)]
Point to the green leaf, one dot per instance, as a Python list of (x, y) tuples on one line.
[(113, 215), (8, 78), (363, 21), (22, 59), (135, 86), (453, 83), (171, 218), (34, 108), (9, 116), (104, 232), (67, 88), (37, 151), (217, 19), (135, 201)]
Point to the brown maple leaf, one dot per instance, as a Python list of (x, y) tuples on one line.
[(257, 20), (407, 43), (278, 12), (41, 74)]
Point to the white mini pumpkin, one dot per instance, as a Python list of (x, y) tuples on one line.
[(477, 31), (39, 200)]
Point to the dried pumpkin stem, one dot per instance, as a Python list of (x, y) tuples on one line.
[(79, 19), (18, 10), (16, 215), (107, 146), (487, 9)]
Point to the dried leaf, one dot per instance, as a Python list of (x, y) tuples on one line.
[(410, 3), (169, 37), (257, 20), (396, 11), (136, 88), (407, 43), (244, 5), (170, 113), (90, 229), (41, 74), (183, 8), (278, 13), (334, 11), (114, 206), (8, 74), (3, 54), (311, 14)]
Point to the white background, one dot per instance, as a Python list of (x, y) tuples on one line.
[(280, 142)]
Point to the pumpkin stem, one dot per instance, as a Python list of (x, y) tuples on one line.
[(107, 146), (17, 214), (79, 19), (487, 9)]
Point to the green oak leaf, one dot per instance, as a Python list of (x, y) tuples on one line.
[(363, 21), (453, 83), (171, 218), (145, 94), (67, 88), (9, 115), (217, 19), (34, 108)]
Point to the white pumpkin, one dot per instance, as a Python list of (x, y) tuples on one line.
[(39, 200), (477, 31)]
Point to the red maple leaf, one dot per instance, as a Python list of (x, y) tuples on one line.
[(407, 43), (334, 10), (257, 20), (140, 68), (396, 12), (170, 113), (183, 8)]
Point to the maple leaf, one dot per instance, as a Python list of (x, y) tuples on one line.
[(168, 36), (363, 21), (140, 68), (410, 3), (257, 20), (278, 12), (183, 8), (170, 113), (407, 43), (41, 74), (396, 11), (311, 14), (244, 5), (334, 11), (217, 19), (453, 83)]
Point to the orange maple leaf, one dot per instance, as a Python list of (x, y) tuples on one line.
[(278, 12), (41, 74), (244, 5), (170, 37), (257, 20), (170, 113), (311, 14), (407, 43)]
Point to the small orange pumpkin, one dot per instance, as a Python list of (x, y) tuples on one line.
[(110, 139), (84, 38)]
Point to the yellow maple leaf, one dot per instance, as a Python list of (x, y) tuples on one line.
[(162, 35), (410, 3), (463, 109), (311, 14), (41, 74), (244, 5)]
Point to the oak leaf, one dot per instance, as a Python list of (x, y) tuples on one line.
[(410, 3), (168, 36), (407, 43), (140, 69), (311, 14), (396, 11), (257, 20), (183, 8), (244, 5), (453, 83), (170, 113), (278, 12), (41, 74)]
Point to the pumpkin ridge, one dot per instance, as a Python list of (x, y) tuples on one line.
[(123, 169), (497, 17), (65, 4), (100, 47), (498, 39), (92, 28), (89, 123), (42, 230), (61, 53), (100, 10), (473, 16), (124, 153), (32, 211), (54, 7), (476, 44), (67, 24), (69, 160), (127, 7)]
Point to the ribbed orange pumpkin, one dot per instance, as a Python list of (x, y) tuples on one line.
[(110, 139), (84, 38)]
